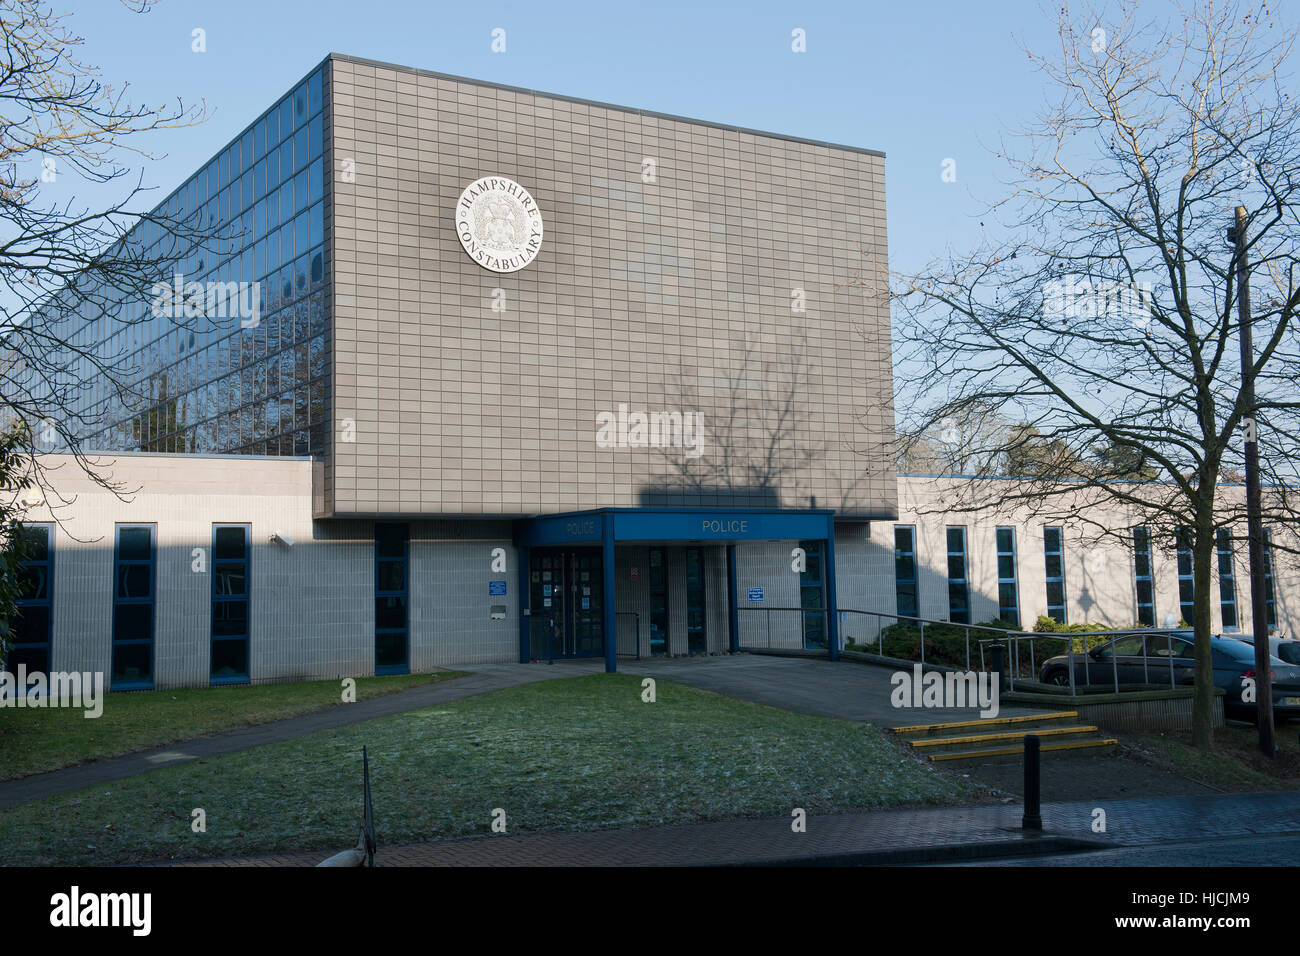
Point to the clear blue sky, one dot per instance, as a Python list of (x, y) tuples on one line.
[(922, 81)]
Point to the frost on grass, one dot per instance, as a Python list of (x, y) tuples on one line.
[(574, 753)]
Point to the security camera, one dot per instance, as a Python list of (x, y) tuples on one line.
[(283, 539)]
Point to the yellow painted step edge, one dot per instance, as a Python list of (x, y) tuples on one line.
[(996, 722), (1015, 735), (1009, 751)]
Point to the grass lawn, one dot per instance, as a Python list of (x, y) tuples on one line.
[(582, 752), (32, 741), (1234, 765)]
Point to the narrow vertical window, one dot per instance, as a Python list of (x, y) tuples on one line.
[(133, 607), (1186, 582), (658, 602), (1008, 589), (958, 589), (230, 589), (29, 637), (810, 596), (1143, 580), (1054, 565), (391, 619), (905, 569), (1227, 580), (697, 637)]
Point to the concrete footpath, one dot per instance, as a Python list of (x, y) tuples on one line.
[(949, 834)]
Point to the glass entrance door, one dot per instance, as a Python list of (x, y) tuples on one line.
[(566, 604)]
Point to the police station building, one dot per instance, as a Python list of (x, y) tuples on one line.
[(510, 377)]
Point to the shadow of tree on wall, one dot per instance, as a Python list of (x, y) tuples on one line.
[(766, 445)]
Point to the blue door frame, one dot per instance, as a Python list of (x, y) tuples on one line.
[(608, 527)]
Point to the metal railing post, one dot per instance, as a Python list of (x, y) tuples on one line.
[(923, 645), (1015, 664), (968, 648)]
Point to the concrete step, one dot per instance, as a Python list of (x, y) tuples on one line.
[(1014, 754), (1024, 724), (966, 742)]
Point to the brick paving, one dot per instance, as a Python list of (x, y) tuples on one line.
[(881, 836)]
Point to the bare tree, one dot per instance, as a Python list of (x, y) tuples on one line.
[(971, 440), (72, 273), (1106, 317)]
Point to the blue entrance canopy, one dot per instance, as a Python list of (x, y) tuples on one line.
[(605, 527), (681, 525)]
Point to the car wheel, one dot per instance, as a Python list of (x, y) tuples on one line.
[(1058, 677)]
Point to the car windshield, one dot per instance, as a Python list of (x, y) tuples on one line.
[(1238, 650), (1288, 651)]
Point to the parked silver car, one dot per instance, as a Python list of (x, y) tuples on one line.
[(1283, 648)]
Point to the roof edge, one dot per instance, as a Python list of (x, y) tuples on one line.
[(363, 61)]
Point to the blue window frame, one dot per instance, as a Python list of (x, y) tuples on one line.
[(958, 588), (1144, 581), (392, 644), (810, 596), (1227, 580), (1054, 566), (230, 603), (1186, 583), (1008, 587), (29, 637), (133, 606), (1270, 601), (905, 570)]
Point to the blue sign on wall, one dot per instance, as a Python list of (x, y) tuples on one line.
[(496, 587), (756, 594)]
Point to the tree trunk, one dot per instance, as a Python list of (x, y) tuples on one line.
[(1203, 704)]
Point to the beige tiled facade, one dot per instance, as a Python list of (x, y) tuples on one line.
[(671, 294)]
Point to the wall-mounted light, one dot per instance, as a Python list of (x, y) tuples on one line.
[(279, 538)]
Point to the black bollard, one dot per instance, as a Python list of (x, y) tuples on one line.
[(1033, 819)]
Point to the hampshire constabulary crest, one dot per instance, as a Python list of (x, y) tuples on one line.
[(499, 224)]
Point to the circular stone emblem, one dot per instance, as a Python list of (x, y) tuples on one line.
[(499, 224)]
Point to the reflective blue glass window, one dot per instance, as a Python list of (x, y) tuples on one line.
[(316, 181), (314, 97)]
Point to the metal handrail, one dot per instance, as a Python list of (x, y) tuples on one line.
[(1011, 637), (1015, 637)]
